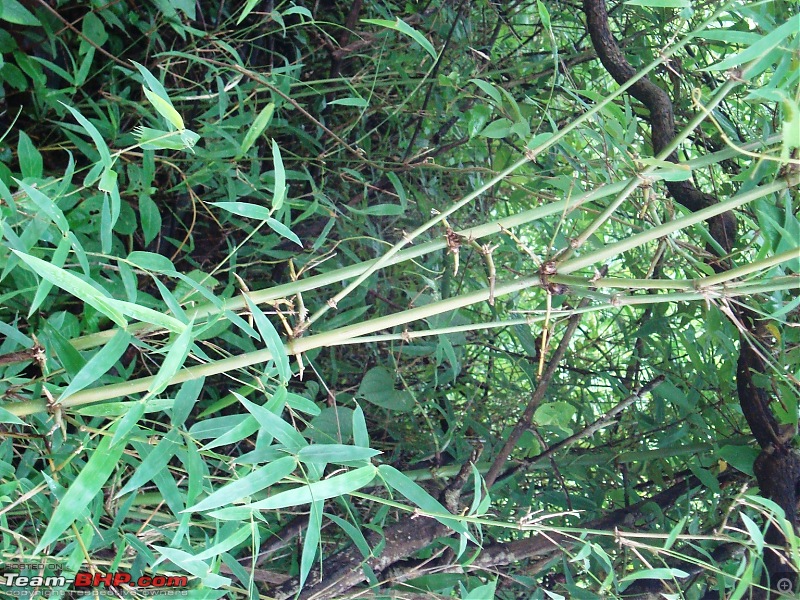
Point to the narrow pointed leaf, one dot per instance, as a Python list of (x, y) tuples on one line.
[(101, 464)]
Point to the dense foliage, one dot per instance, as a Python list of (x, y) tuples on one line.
[(395, 293)]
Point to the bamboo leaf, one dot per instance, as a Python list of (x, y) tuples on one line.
[(416, 494), (311, 543), (165, 109), (335, 453), (173, 362), (271, 338), (99, 364), (283, 231), (240, 489), (280, 180), (406, 29), (257, 128), (333, 487), (75, 286), (153, 462), (99, 142), (101, 464)]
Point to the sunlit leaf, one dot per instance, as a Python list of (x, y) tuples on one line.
[(257, 128), (405, 29), (280, 179), (165, 109)]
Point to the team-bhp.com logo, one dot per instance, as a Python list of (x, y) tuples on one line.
[(85, 581)]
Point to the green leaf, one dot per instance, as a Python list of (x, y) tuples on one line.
[(190, 564), (90, 480), (759, 48), (158, 139), (283, 231), (246, 426), (165, 109), (173, 362), (148, 315), (150, 218), (257, 128), (754, 531), (482, 592), (172, 303), (660, 3), (544, 15), (335, 453), (497, 129), (555, 413), (99, 142), (664, 573), (790, 127), (108, 181), (674, 533), (477, 502), (378, 210), (151, 81), (30, 160), (150, 261), (227, 542), (280, 183), (521, 128), (248, 485), (99, 364), (271, 338), (248, 8), (272, 423), (354, 533), (336, 486), (213, 428), (245, 209), (739, 457), (185, 400), (10, 418), (334, 424), (75, 286), (416, 494), (14, 12), (153, 463), (360, 433), (298, 10), (349, 101), (745, 582), (312, 540), (46, 205), (129, 421), (489, 90), (59, 258), (189, 139), (302, 404), (94, 29), (118, 409), (406, 29), (377, 387), (668, 171), (398, 187)]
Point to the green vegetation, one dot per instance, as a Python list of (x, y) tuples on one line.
[(398, 292)]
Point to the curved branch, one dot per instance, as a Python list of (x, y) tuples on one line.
[(662, 118)]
